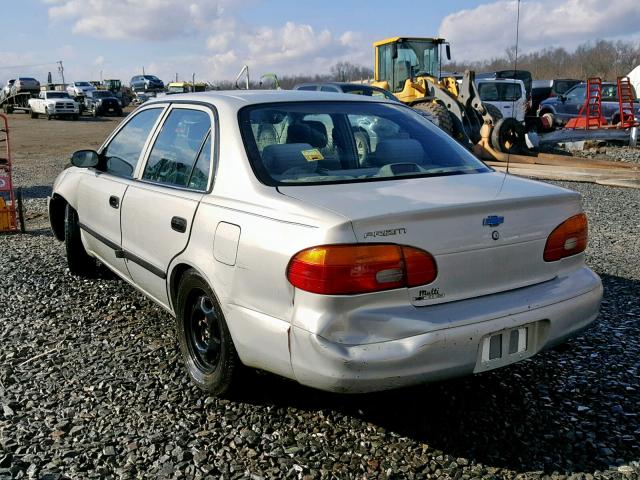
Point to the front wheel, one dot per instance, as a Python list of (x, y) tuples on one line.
[(78, 260), (34, 114), (205, 342)]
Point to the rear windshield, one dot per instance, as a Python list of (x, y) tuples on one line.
[(102, 94), (337, 142), (499, 92), (27, 79)]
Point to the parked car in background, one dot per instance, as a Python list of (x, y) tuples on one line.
[(567, 106), (345, 87), (25, 85), (523, 75), (79, 89), (543, 89), (6, 89), (146, 83), (506, 94), (293, 254), (54, 104), (102, 102)]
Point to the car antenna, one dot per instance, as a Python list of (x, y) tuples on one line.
[(515, 71)]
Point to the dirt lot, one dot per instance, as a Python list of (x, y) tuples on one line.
[(42, 148)]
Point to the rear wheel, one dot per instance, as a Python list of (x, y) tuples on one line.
[(34, 114), (438, 112), (508, 136), (78, 260), (205, 342)]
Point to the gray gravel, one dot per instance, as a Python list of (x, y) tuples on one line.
[(91, 386)]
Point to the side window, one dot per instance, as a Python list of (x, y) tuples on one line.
[(307, 87), (200, 174), (328, 89), (123, 152), (177, 147), (577, 94)]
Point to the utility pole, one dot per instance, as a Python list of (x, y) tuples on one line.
[(176, 77), (143, 69), (61, 70), (193, 80)]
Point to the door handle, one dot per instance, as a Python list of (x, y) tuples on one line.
[(179, 224), (114, 202)]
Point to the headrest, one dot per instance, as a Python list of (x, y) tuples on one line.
[(399, 150), (308, 131), (279, 158)]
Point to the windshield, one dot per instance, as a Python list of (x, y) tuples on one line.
[(319, 142), (58, 95), (151, 77), (101, 94), (414, 58)]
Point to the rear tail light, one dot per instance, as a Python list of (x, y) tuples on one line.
[(568, 238), (347, 269)]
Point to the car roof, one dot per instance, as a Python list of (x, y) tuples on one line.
[(241, 98)]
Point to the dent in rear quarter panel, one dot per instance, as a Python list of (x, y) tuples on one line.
[(255, 295)]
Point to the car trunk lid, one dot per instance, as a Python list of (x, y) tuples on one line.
[(487, 232)]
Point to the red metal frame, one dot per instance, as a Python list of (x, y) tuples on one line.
[(625, 101), (8, 221), (590, 114)]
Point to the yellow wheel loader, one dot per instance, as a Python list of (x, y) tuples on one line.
[(410, 68)]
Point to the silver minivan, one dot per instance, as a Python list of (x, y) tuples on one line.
[(506, 94)]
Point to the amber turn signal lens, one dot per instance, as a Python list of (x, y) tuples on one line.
[(568, 238), (347, 269)]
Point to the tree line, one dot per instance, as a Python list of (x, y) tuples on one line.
[(603, 58)]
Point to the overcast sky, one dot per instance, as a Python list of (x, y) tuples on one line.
[(214, 38)]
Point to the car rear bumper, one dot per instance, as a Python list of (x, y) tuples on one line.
[(449, 352)]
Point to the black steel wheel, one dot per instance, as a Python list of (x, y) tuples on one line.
[(78, 260), (205, 342), (508, 136)]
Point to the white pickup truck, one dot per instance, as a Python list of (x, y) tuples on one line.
[(54, 104)]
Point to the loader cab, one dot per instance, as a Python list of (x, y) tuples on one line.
[(399, 59)]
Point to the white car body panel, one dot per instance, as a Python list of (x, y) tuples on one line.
[(241, 235)]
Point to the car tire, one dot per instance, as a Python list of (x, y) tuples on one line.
[(119, 113), (78, 260), (74, 117), (439, 112), (34, 114), (48, 115), (207, 348), (94, 113), (508, 136)]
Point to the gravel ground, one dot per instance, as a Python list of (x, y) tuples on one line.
[(91, 386)]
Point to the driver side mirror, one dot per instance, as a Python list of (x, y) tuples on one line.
[(562, 98), (85, 159), (447, 49)]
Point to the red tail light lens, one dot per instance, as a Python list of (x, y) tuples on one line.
[(568, 238), (348, 269)]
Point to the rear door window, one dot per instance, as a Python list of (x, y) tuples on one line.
[(177, 150)]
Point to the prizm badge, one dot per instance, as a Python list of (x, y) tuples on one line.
[(492, 221), (385, 233)]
